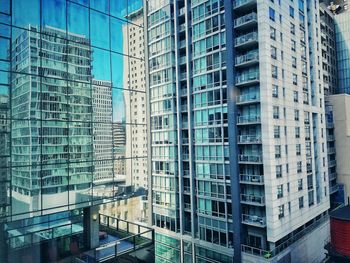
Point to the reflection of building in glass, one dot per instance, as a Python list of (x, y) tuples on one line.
[(119, 141), (135, 98), (4, 152), (102, 127), (42, 137), (56, 137)]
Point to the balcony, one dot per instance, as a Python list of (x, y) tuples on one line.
[(253, 220), (331, 150), (247, 59), (333, 189), (183, 76), (247, 41), (182, 44), (251, 179), (182, 27), (182, 11), (248, 98), (332, 163), (246, 79), (248, 120), (245, 22), (249, 139), (243, 5), (330, 138), (250, 159), (332, 176), (253, 200), (182, 60)]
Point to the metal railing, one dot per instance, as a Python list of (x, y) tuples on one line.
[(239, 3), (254, 220), (252, 178), (247, 77), (241, 40), (250, 158), (249, 138), (248, 119), (245, 19), (253, 199)]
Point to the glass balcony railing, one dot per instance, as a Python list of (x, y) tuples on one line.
[(247, 158), (254, 220), (249, 139), (246, 78), (246, 98), (251, 179), (253, 199), (332, 176), (250, 57), (332, 163), (248, 119), (333, 189), (243, 3), (246, 19), (247, 38), (330, 138)]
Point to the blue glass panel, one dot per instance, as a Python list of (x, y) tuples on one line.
[(54, 14), (23, 18), (99, 24), (100, 5), (78, 20)]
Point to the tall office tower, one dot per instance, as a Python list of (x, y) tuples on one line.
[(237, 125), (61, 75), (329, 77), (136, 140), (119, 143), (102, 132)]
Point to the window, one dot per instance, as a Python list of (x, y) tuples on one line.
[(272, 14), (294, 62), (272, 33), (273, 52), (297, 132), (301, 202), (292, 28), (311, 198), (298, 149), (280, 191), (300, 184), (296, 115), (299, 167), (294, 45), (277, 151), (278, 171), (276, 112), (295, 96), (291, 11), (274, 71), (274, 91), (280, 211), (276, 132), (295, 79)]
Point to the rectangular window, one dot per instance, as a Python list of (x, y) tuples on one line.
[(300, 184), (277, 151), (275, 91), (273, 52), (280, 191), (274, 71), (272, 33), (291, 11), (272, 14), (301, 202), (280, 211), (276, 132), (297, 132), (276, 112), (295, 96), (278, 171), (298, 149)]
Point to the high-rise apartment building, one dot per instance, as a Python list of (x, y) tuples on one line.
[(136, 140), (238, 133), (61, 91), (119, 142)]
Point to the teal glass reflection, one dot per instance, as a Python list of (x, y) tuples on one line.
[(5, 6), (54, 14), (22, 17), (78, 20), (120, 70), (100, 5), (4, 48), (119, 36), (101, 64), (99, 24), (119, 8), (119, 105)]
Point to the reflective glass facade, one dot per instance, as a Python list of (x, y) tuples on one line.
[(68, 82), (342, 35)]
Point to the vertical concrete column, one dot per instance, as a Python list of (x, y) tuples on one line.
[(91, 227)]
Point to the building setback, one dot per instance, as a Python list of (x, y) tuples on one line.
[(237, 125)]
